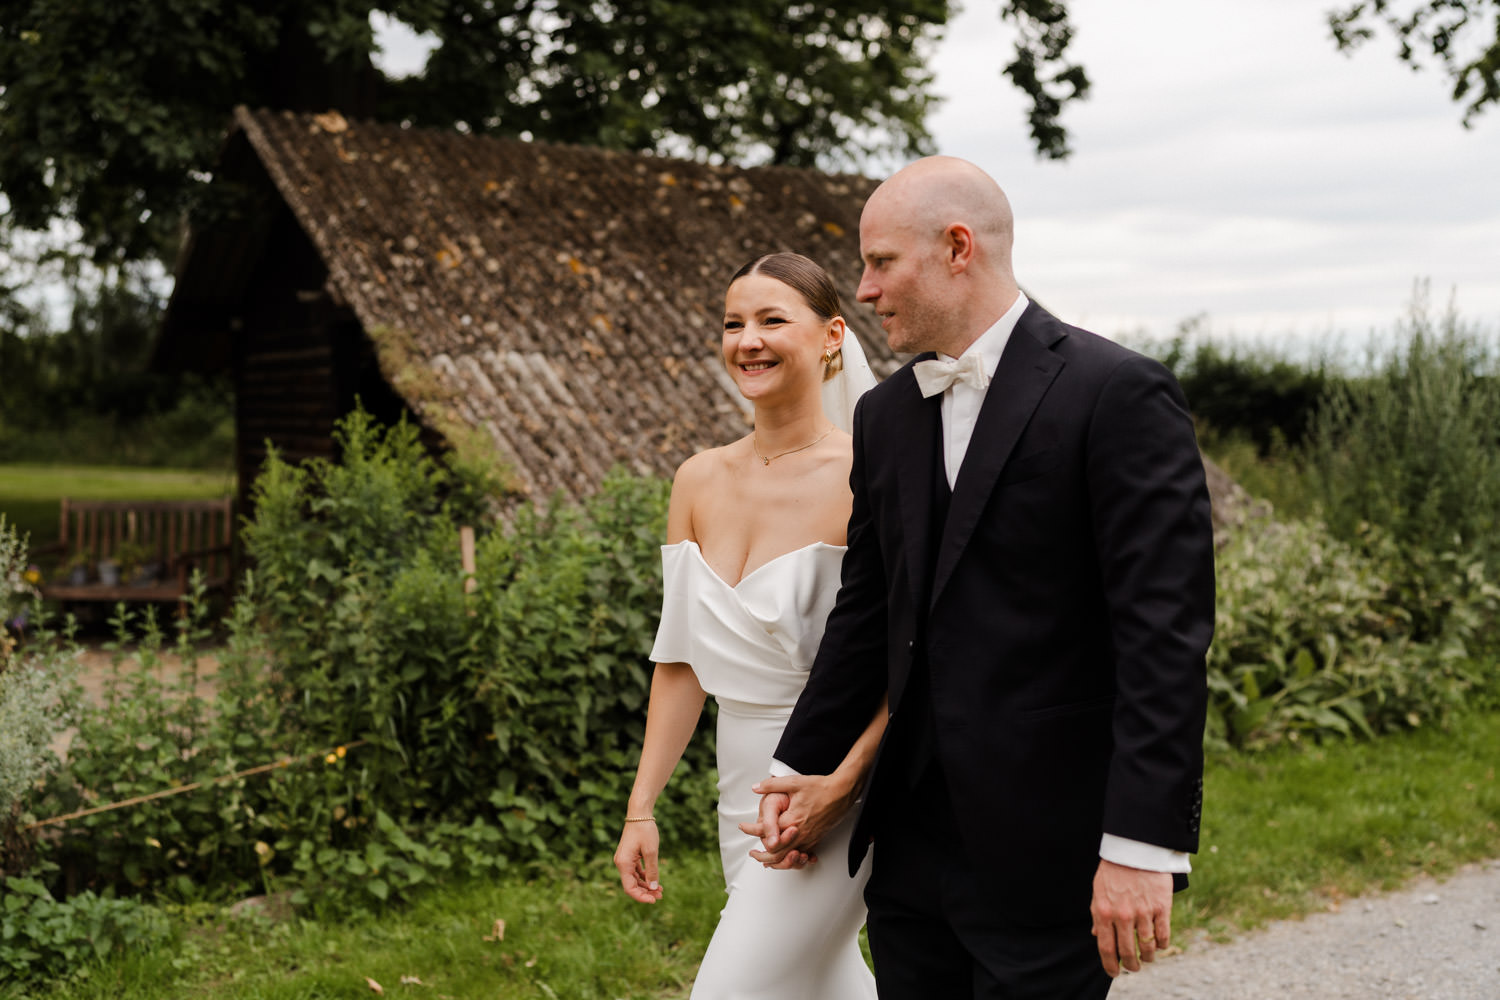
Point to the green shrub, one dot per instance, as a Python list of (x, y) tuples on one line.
[(1314, 639), (35, 679), (1244, 392), (1250, 394), (152, 733), (33, 710), (90, 392), (574, 597), (1278, 477), (427, 731)]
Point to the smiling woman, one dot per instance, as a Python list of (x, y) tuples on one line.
[(774, 340), (755, 534)]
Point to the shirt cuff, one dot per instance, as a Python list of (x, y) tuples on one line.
[(1149, 857), (780, 770)]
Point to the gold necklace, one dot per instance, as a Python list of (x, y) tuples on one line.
[(755, 446)]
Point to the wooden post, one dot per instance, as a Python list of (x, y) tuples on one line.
[(466, 555)]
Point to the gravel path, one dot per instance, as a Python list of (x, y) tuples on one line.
[(1434, 940)]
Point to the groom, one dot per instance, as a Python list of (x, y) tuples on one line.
[(1030, 578)]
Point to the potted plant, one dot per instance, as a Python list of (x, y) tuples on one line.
[(132, 556), (75, 569), (109, 571)]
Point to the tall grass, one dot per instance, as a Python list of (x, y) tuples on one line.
[(1413, 445), (1375, 603)]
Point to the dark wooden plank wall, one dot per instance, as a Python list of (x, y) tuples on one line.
[(301, 361)]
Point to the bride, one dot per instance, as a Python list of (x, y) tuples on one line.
[(755, 534)]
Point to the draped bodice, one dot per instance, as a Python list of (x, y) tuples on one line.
[(755, 641)]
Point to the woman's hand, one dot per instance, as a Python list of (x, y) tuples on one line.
[(772, 833), (810, 805), (637, 858)]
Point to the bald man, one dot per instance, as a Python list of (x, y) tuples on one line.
[(1030, 579)]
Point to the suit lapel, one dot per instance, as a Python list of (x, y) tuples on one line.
[(919, 427), (1026, 371)]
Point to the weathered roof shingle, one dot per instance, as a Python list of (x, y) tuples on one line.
[(563, 301)]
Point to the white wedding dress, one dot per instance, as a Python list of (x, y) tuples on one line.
[(783, 935)]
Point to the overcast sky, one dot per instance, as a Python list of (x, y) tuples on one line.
[(1229, 164)]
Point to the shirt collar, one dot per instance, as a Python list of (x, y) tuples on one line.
[(991, 343)]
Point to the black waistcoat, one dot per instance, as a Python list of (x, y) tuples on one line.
[(917, 699)]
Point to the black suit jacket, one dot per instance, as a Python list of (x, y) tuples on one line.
[(1062, 619)]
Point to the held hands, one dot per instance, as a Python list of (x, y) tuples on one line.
[(1132, 910), (775, 837), (796, 812), (637, 858)]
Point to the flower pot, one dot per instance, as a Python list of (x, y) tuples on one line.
[(109, 572), (78, 576)]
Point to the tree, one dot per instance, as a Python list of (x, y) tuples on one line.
[(113, 111), (1042, 71), (1438, 27)]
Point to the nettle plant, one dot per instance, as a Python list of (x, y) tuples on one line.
[(495, 727), (427, 729)]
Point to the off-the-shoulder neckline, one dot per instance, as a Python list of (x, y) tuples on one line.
[(769, 562)]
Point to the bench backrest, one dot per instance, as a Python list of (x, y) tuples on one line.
[(168, 529)]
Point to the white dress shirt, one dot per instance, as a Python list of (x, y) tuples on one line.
[(961, 403)]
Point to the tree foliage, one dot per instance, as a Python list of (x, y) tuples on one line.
[(1042, 71), (1441, 29), (85, 390), (113, 111), (804, 82)]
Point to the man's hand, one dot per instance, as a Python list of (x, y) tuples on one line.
[(1132, 910), (796, 813), (775, 837)]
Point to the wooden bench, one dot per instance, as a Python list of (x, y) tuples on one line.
[(175, 537)]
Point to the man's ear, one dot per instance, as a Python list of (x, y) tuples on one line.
[(958, 241)]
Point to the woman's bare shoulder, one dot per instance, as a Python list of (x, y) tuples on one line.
[(697, 478), (703, 468)]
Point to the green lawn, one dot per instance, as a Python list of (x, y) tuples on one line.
[(1300, 829), (1284, 833), (29, 494)]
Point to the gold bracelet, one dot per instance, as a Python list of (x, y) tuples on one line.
[(640, 819)]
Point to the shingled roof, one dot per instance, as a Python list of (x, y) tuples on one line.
[(562, 301)]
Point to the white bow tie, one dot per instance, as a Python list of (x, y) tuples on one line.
[(938, 374)]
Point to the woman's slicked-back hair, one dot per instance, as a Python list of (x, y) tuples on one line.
[(798, 272)]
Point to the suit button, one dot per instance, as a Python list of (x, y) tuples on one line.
[(911, 644)]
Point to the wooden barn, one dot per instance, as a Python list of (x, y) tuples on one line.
[(556, 306)]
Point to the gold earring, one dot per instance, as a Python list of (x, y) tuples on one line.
[(828, 357)]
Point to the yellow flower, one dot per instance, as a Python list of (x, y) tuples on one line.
[(332, 758), (32, 576), (341, 751)]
